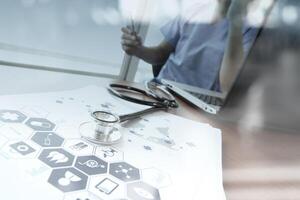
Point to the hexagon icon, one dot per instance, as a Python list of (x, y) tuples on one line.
[(12, 116), (68, 179), (91, 165), (107, 187), (142, 191), (56, 158), (79, 147), (47, 139), (124, 171), (20, 150), (40, 124), (109, 154)]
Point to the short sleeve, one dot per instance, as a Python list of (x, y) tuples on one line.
[(171, 31)]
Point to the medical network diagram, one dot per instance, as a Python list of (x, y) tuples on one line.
[(160, 157)]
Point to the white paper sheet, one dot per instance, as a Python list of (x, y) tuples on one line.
[(161, 156)]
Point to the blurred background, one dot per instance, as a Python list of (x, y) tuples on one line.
[(79, 35), (84, 35)]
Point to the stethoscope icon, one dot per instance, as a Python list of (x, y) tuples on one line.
[(105, 127)]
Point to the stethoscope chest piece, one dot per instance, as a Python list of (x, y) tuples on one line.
[(104, 130), (105, 127)]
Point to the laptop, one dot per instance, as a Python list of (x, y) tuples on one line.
[(207, 100)]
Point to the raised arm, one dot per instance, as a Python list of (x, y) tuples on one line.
[(234, 52), (156, 55)]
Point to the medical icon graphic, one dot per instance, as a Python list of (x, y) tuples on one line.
[(56, 157), (109, 154), (68, 179), (91, 165), (79, 146), (22, 148), (12, 116), (48, 139), (40, 124), (107, 186), (124, 171), (142, 191)]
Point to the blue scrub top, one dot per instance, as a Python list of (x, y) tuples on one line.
[(199, 50)]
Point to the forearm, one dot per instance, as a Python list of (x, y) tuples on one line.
[(233, 56), (153, 55)]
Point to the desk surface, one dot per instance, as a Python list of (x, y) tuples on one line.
[(258, 163), (261, 151), (41, 149), (261, 158)]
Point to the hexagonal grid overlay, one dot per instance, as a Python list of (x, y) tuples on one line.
[(142, 191), (22, 148), (124, 171), (107, 187), (40, 124), (47, 139), (16, 149), (78, 147), (12, 116), (68, 179), (91, 165), (56, 158)]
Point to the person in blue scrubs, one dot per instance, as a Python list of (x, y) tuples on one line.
[(199, 54)]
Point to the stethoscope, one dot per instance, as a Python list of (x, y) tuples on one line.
[(104, 129)]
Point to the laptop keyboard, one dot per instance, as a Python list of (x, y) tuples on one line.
[(209, 99)]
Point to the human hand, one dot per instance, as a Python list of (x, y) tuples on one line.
[(130, 41)]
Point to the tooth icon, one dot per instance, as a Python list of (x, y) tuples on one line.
[(57, 157)]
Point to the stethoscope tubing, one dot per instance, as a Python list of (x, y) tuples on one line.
[(105, 131), (137, 115), (160, 102)]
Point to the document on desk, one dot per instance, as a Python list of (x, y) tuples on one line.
[(160, 157)]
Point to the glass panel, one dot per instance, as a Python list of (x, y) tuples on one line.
[(161, 13), (81, 35)]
